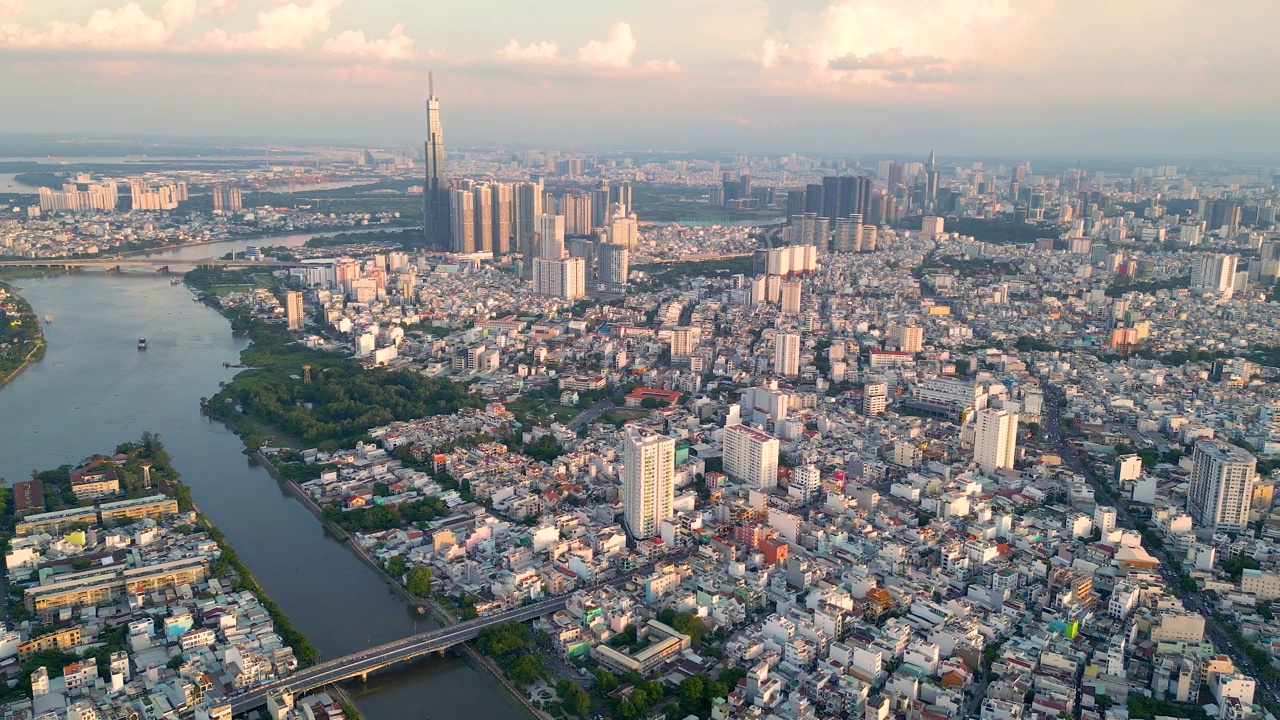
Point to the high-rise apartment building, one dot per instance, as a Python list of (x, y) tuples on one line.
[(791, 297), (563, 278), (550, 231), (613, 265), (751, 457), (624, 228), (293, 309), (1222, 479), (503, 224), (995, 439), (786, 354), (482, 215), (648, 481), (576, 209), (847, 234), (436, 204), (908, 338), (462, 215), (527, 206), (931, 226), (1215, 273)]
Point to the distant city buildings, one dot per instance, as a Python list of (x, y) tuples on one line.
[(227, 199)]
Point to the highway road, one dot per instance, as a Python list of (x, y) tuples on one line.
[(1197, 603), (597, 409)]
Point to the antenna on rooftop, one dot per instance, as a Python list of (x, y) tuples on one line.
[(431, 83)]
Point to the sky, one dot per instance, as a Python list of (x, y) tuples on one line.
[(1034, 77)]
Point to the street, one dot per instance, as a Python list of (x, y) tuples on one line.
[(1219, 637)]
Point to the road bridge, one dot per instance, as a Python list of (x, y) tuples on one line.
[(360, 664)]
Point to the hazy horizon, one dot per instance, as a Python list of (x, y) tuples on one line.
[(836, 77)]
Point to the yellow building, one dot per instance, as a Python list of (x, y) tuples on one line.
[(152, 506), (61, 640), (105, 585)]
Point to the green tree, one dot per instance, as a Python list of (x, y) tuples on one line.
[(418, 582), (524, 669), (544, 449), (573, 697), (396, 565)]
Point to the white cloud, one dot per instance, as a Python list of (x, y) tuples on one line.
[(128, 27), (395, 46), (889, 40), (544, 51), (12, 7), (284, 27), (614, 51), (662, 66)]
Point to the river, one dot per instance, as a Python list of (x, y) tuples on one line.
[(94, 390)]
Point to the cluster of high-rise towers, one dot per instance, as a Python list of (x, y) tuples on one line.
[(567, 244)]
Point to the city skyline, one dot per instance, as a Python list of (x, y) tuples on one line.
[(833, 75)]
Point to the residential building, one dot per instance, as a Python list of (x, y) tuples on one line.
[(995, 439), (751, 457), (1222, 478), (648, 481)]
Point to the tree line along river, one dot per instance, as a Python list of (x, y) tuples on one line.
[(94, 390)]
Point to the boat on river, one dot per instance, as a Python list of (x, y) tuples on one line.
[(48, 319), (142, 343)]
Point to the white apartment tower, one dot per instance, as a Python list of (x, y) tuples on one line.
[(648, 481), (1215, 273), (550, 230), (786, 354), (791, 297), (996, 439), (293, 309), (1221, 486), (751, 457), (563, 278)]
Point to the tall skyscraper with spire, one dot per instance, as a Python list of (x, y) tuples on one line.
[(437, 230), (931, 182)]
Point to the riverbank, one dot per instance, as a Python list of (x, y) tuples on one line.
[(24, 341), (319, 232), (266, 342)]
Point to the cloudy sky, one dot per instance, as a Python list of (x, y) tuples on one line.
[(1069, 77)]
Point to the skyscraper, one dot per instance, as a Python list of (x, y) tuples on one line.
[(751, 457), (576, 209), (996, 439), (293, 309), (648, 481), (463, 217), (931, 182), (624, 228), (1221, 486), (437, 230), (527, 206), (482, 195), (550, 230), (503, 218), (791, 297), (1214, 273), (563, 278), (786, 354), (613, 263)]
